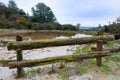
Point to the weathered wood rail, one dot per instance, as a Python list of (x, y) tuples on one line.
[(68, 58), (20, 45), (25, 45)]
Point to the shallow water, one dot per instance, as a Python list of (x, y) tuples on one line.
[(74, 36), (37, 36)]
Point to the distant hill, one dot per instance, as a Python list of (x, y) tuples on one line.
[(87, 27), (90, 28)]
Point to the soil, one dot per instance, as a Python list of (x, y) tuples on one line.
[(42, 71), (8, 74)]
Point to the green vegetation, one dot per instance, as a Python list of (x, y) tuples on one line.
[(112, 43), (83, 68), (113, 28), (85, 49), (62, 74), (94, 33), (42, 14), (11, 17), (114, 57), (90, 64), (32, 72)]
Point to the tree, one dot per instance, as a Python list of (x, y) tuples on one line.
[(118, 20), (69, 27), (12, 5), (21, 12), (106, 28), (21, 20), (99, 26), (3, 9), (42, 14), (78, 26), (12, 10)]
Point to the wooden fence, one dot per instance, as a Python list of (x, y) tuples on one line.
[(20, 45)]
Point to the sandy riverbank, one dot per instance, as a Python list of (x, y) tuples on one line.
[(32, 54)]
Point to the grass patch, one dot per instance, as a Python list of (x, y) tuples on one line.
[(114, 57), (93, 33), (32, 72), (81, 69), (83, 50), (89, 32), (90, 64), (86, 65), (111, 43), (105, 68), (62, 74)]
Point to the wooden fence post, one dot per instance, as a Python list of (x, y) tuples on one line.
[(19, 58), (99, 48)]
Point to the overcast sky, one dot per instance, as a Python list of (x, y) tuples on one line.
[(85, 12)]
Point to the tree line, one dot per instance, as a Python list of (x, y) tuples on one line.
[(114, 27), (42, 18)]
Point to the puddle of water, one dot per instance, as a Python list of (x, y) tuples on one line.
[(81, 36), (62, 37), (75, 36), (37, 35)]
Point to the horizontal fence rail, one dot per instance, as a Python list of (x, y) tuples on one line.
[(68, 58), (51, 43)]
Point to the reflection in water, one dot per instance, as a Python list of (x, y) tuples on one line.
[(75, 36), (62, 37), (37, 35)]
